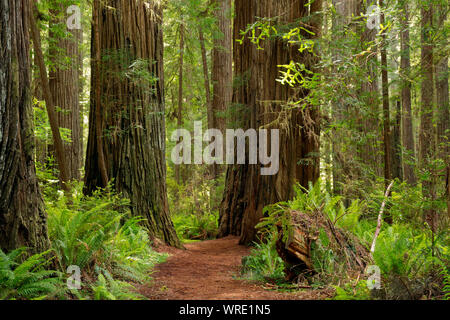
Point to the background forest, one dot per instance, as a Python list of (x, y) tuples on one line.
[(91, 92)]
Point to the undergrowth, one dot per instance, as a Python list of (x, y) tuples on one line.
[(99, 236), (413, 262), (93, 234)]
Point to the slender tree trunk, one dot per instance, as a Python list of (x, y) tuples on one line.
[(23, 221), (397, 171), (64, 81), (426, 135), (407, 125), (386, 112), (180, 94), (209, 110), (131, 79), (98, 114), (49, 102), (247, 192)]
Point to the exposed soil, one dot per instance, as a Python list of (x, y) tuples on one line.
[(208, 270)]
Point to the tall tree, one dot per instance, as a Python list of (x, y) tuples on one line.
[(129, 81), (64, 81), (442, 95), (386, 111), (426, 134), (222, 61), (23, 221), (180, 92), (260, 99), (49, 103), (405, 73)]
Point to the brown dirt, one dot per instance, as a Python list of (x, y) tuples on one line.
[(207, 271)]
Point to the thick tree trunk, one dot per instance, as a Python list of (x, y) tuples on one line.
[(23, 221), (222, 65), (64, 86), (261, 98), (443, 107), (407, 125), (369, 152), (130, 80)]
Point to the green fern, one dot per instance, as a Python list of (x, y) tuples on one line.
[(27, 279), (108, 288)]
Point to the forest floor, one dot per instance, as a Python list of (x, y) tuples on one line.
[(209, 270)]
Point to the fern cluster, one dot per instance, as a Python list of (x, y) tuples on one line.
[(98, 233), (29, 278)]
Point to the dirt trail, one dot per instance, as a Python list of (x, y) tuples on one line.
[(206, 271)]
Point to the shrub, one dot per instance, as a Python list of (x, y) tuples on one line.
[(263, 262), (196, 227), (98, 233)]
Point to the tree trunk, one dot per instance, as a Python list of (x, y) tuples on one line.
[(426, 134), (397, 171), (369, 124), (209, 110), (261, 98), (443, 108), (407, 125), (222, 66), (23, 221), (180, 94), (386, 112), (49, 102), (130, 79), (64, 86)]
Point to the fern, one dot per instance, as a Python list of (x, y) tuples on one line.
[(27, 279)]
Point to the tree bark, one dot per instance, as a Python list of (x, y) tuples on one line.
[(23, 221), (261, 98), (407, 125), (386, 112), (49, 102), (131, 80), (397, 171), (64, 81), (180, 94), (222, 66), (443, 107), (209, 110), (426, 134)]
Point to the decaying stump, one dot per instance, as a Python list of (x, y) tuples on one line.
[(295, 248)]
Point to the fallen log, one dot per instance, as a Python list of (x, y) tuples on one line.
[(295, 244)]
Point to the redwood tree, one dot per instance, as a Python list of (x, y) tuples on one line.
[(64, 86), (258, 101), (23, 221), (407, 124), (127, 110), (222, 69), (426, 134)]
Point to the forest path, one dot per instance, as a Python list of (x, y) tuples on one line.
[(207, 270)]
